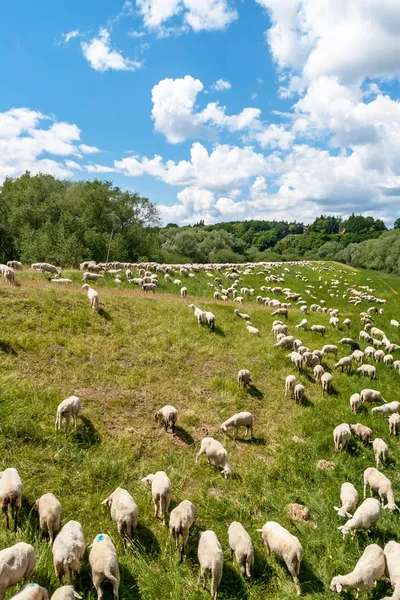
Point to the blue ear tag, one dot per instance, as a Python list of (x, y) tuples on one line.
[(33, 585), (100, 537)]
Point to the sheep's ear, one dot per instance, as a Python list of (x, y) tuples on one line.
[(386, 507), (341, 527), (36, 505), (336, 508), (106, 501), (349, 515), (77, 595), (339, 588), (259, 530)]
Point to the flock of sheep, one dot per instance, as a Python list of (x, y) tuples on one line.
[(68, 544)]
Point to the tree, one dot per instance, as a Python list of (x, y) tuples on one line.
[(397, 224)]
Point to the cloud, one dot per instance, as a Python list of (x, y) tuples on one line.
[(88, 149), (220, 85), (66, 37), (204, 15), (102, 57), (275, 136), (94, 168), (136, 34)]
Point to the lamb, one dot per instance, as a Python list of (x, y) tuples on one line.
[(91, 276), (349, 500), (244, 377), (161, 490), (379, 482), (184, 292), (124, 511), (311, 359), (297, 360), (31, 591), (211, 559), (369, 352), (281, 311), (388, 360), (10, 494), (365, 517), (93, 296), (215, 452), (334, 321), (358, 356), (68, 551), (355, 402), (47, 268), (68, 408), (381, 450), (285, 546), (242, 419), (330, 349), (290, 384), (240, 543), (104, 564), (180, 521), (285, 342), (66, 592), (318, 372), (362, 431), (149, 287), (49, 508), (394, 424), (344, 364), (368, 395), (369, 568), (252, 330), (367, 370), (199, 314), (302, 325), (16, 563), (392, 556), (396, 365), (168, 416), (393, 322), (326, 382), (242, 315), (387, 409), (318, 329), (299, 393), (347, 323), (379, 356)]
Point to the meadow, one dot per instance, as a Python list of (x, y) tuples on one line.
[(146, 350)]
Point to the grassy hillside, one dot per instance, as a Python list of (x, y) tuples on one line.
[(145, 351)]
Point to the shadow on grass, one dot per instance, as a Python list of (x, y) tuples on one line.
[(253, 391), (232, 584), (184, 436), (306, 403), (7, 348), (147, 540), (252, 441), (219, 331), (86, 435), (129, 586), (105, 314), (309, 582)]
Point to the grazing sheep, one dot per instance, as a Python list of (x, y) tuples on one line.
[(302, 349), (242, 315), (369, 568), (252, 330), (368, 395), (326, 382), (318, 372), (296, 359), (362, 431), (299, 393), (199, 314), (91, 276), (244, 377), (215, 452), (388, 359), (281, 311), (387, 409), (369, 352), (365, 517), (31, 591), (341, 436), (358, 356), (330, 349), (318, 329), (334, 321), (184, 292), (49, 508), (302, 325), (15, 264), (103, 561), (344, 364), (180, 521), (210, 319), (16, 563), (68, 408), (392, 556), (124, 511), (161, 490), (379, 482), (347, 323), (211, 559), (311, 359), (355, 402), (290, 384), (381, 450), (285, 342), (10, 494), (168, 416), (66, 592), (349, 500), (285, 546), (240, 543), (367, 370), (242, 419), (68, 551), (394, 423), (379, 356)]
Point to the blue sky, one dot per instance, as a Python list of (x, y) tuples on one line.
[(214, 109)]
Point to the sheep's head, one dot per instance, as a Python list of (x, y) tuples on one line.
[(336, 585), (107, 501), (157, 415), (226, 471), (85, 286), (224, 427), (148, 479)]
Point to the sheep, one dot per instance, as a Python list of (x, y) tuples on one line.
[(381, 450), (379, 482), (379, 355), (361, 431), (281, 311), (93, 296), (215, 452), (161, 490), (210, 319), (387, 409), (368, 395), (104, 564), (244, 377), (242, 315), (347, 323), (11, 494), (369, 352), (302, 325), (285, 546), (49, 508), (396, 365), (387, 359), (66, 592), (358, 356), (311, 359), (318, 372), (326, 382), (299, 393), (16, 562), (242, 419), (91, 276), (124, 511), (355, 402), (393, 322), (184, 292), (252, 330), (290, 384), (199, 314), (365, 517), (286, 342), (211, 559), (180, 521), (334, 321), (240, 543), (394, 424), (68, 550), (296, 359), (68, 408), (367, 370), (47, 268), (344, 364), (278, 328), (330, 349), (177, 282), (392, 556), (318, 329), (31, 591), (369, 568), (168, 416), (341, 436), (149, 287), (15, 264), (349, 500)]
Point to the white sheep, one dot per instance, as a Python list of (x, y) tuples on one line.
[(330, 349), (16, 563), (168, 416), (379, 482), (68, 408), (180, 521), (392, 556), (388, 360), (15, 264), (362, 431), (381, 450), (368, 395), (285, 546), (66, 592), (326, 382), (299, 393), (355, 402), (285, 342), (358, 356), (281, 311), (365, 517), (341, 436), (103, 561), (334, 321), (252, 330), (394, 323), (387, 409), (11, 494), (242, 315), (91, 276), (161, 490), (290, 384), (31, 591), (296, 359), (344, 364), (49, 509), (369, 568), (68, 551), (318, 329), (369, 352), (318, 372), (348, 498), (302, 325), (124, 511), (244, 377), (93, 296), (184, 292), (211, 559), (210, 319), (379, 355), (311, 359), (199, 314), (367, 370), (215, 452), (347, 323), (242, 419), (394, 424), (241, 545)]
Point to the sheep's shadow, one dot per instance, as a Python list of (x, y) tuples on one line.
[(232, 584), (104, 314), (256, 441), (147, 540), (7, 348), (309, 582), (86, 435), (306, 403), (218, 331), (129, 585), (184, 436), (253, 391)]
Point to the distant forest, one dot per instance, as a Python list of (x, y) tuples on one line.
[(47, 219)]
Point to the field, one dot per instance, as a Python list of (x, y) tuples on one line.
[(144, 351)]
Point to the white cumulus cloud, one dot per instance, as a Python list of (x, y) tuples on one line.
[(102, 57), (199, 15), (221, 85)]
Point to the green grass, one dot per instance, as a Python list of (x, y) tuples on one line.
[(145, 351)]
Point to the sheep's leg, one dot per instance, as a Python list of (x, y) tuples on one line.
[(98, 590), (198, 455), (173, 427), (5, 511), (16, 518), (203, 577), (75, 418), (67, 420), (155, 508)]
